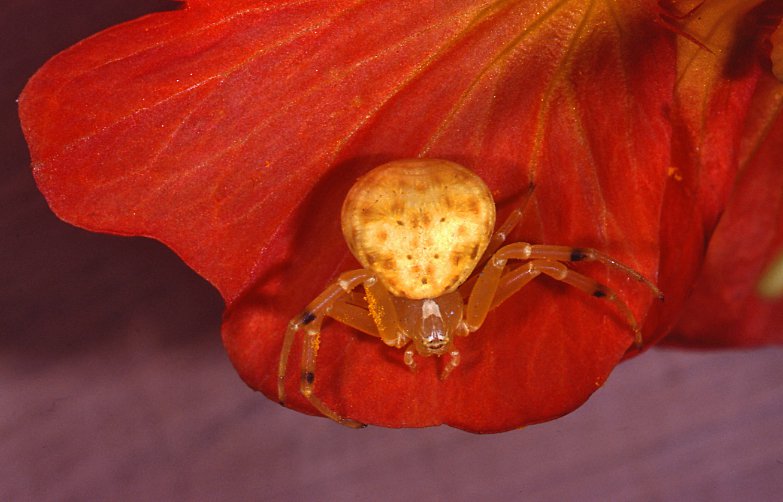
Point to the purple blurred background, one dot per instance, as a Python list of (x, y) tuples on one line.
[(114, 384)]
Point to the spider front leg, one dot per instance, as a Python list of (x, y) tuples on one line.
[(330, 302), (509, 224), (492, 288), (499, 237), (567, 253)]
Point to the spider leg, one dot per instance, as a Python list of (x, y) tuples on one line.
[(492, 288), (479, 301), (307, 383), (566, 253), (511, 221), (513, 281), (499, 237), (384, 313), (310, 320), (354, 316)]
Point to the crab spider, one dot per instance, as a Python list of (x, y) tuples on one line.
[(420, 228)]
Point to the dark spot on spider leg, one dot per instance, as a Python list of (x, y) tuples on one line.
[(578, 254), (600, 291), (307, 317), (308, 377)]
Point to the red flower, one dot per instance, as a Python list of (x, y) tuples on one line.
[(231, 131)]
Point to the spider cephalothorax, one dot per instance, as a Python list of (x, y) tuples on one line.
[(421, 228)]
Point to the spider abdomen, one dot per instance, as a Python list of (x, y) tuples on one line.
[(420, 225)]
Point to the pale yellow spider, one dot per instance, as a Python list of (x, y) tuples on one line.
[(420, 227)]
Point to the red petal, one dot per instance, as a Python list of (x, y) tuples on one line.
[(776, 51), (718, 129), (726, 308), (232, 133)]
